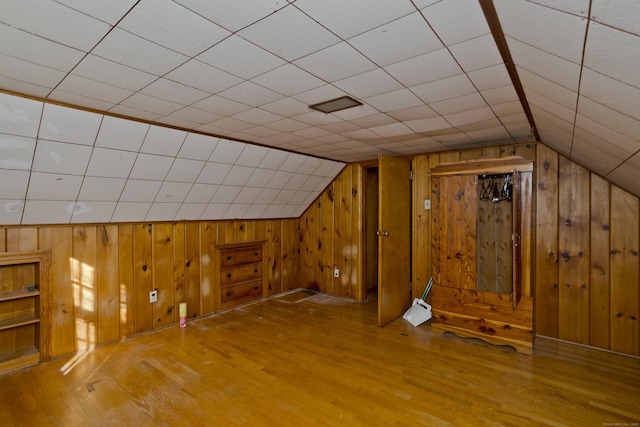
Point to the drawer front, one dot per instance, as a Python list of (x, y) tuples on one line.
[(240, 273), (237, 256), (240, 293)]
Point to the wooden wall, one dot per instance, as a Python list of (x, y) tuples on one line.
[(101, 275), (331, 235), (586, 243)]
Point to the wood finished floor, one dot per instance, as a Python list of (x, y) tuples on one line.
[(310, 359)]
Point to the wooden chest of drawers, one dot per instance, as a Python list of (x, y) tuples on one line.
[(240, 272)]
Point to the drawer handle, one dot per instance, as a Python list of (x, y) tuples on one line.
[(255, 254), (228, 257), (228, 293), (228, 275), (255, 271), (255, 286)]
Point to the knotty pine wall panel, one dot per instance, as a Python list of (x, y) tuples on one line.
[(101, 275)]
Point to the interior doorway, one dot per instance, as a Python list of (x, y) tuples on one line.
[(371, 177)]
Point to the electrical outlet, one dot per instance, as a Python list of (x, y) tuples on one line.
[(336, 272), (153, 296), (427, 204)]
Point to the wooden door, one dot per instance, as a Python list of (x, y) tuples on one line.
[(394, 238)]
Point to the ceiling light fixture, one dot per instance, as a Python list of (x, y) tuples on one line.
[(337, 104)]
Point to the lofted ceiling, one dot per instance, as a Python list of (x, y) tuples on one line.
[(431, 75)]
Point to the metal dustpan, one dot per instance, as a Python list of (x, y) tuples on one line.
[(420, 311)]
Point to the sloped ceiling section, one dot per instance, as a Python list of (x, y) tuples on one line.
[(578, 62), (429, 74), (62, 165)]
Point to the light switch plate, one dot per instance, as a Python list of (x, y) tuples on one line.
[(427, 204), (153, 296)]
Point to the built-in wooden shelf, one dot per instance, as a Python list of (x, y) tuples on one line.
[(18, 294), (16, 322)]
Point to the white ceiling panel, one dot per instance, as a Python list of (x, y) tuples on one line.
[(140, 190), (47, 211), (19, 182), (220, 89), (47, 186)]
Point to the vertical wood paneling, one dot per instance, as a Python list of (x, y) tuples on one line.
[(22, 239), (142, 276), (162, 268), (421, 220), (336, 243), (125, 272), (209, 237), (60, 241), (357, 234), (107, 287), (344, 202), (192, 269), (573, 241), (275, 258), (85, 293), (625, 211), (546, 245), (325, 244), (600, 276), (179, 269)]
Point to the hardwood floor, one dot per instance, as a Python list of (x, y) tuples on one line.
[(311, 359)]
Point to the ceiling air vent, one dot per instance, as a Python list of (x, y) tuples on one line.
[(337, 104)]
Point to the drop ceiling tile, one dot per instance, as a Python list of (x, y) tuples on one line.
[(456, 105), (47, 186), (101, 189), (490, 77), (20, 86), (173, 192), (215, 211), (260, 177), (226, 194), (611, 93), (19, 182), (273, 159), (591, 150), (130, 211), (108, 72), (149, 166), (615, 14), (545, 118), (155, 21), (233, 15), (398, 99), (551, 30), (256, 116), (125, 111), (604, 115), (240, 58), (69, 125), (424, 68), (576, 7), (89, 90), (279, 180), (288, 80), (428, 125), (227, 151), (135, 52), (620, 63), (252, 155), (110, 12), (185, 170), (255, 211), (439, 90), (163, 141), (508, 108), (404, 38), (451, 25), (174, 92), (249, 93), (267, 196), (47, 212), (413, 113), (630, 145), (313, 183), (190, 211), (202, 76), (546, 65), (286, 107), (197, 146), (201, 193), (238, 175), (92, 212), (468, 117), (145, 103), (247, 195), (140, 190), (371, 83), (16, 152), (476, 54), (625, 175), (163, 211), (19, 116), (500, 95), (219, 105), (58, 157), (289, 34), (121, 134), (391, 130), (43, 18), (110, 163), (31, 48), (559, 111), (284, 196), (272, 211), (236, 211), (336, 62), (29, 73), (11, 211), (548, 89), (293, 162), (213, 173)]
